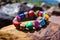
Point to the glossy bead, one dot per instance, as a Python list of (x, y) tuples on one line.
[(26, 14), (36, 24), (31, 13), (16, 24), (42, 22), (18, 18), (44, 13), (46, 16), (40, 13), (21, 15), (15, 20), (29, 25)]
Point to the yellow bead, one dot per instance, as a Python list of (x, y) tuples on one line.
[(46, 16)]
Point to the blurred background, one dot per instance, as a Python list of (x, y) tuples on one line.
[(20, 6), (37, 2)]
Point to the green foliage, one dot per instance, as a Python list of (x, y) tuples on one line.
[(37, 2)]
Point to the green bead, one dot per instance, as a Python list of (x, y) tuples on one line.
[(29, 25)]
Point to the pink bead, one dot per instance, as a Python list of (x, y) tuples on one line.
[(18, 18), (40, 13)]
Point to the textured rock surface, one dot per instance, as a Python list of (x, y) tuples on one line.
[(55, 19), (12, 30), (51, 32), (7, 36)]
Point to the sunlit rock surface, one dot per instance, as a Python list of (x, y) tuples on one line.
[(51, 32)]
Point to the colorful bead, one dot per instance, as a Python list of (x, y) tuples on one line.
[(31, 13), (15, 20), (18, 18), (16, 24), (29, 25), (42, 22), (44, 13), (36, 24), (40, 13), (21, 15), (46, 16), (26, 14)]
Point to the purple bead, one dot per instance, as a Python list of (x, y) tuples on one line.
[(36, 24)]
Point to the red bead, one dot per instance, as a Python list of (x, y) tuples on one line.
[(40, 13), (16, 24), (31, 13)]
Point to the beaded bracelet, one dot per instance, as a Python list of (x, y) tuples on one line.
[(42, 17)]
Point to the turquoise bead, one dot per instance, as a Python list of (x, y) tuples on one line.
[(29, 25)]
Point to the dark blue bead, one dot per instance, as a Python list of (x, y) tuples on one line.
[(42, 22), (21, 15)]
